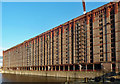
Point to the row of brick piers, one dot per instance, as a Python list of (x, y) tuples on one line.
[(76, 67)]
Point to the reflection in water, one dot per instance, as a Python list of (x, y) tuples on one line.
[(44, 80), (30, 78)]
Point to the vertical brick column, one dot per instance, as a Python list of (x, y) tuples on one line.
[(116, 8), (42, 68), (51, 48), (88, 39), (3, 60), (108, 35), (63, 67), (37, 54), (111, 67), (70, 42), (63, 56), (39, 51), (59, 67), (86, 67), (54, 48), (60, 44), (28, 61), (43, 51), (51, 68), (80, 67), (73, 67), (68, 67), (34, 52), (74, 48), (117, 34)]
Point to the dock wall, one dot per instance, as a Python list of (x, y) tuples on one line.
[(67, 74)]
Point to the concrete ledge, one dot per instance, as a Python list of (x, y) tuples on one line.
[(68, 74)]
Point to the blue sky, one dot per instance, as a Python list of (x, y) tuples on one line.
[(24, 20)]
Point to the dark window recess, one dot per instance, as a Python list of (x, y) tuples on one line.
[(91, 40), (91, 48), (91, 44), (91, 52), (113, 54), (112, 12), (112, 21), (101, 50), (112, 40), (113, 45), (111, 17), (112, 35), (101, 33), (101, 59), (100, 16), (101, 55), (100, 24), (100, 37), (113, 59), (112, 31), (112, 50), (101, 46), (101, 28), (100, 20)]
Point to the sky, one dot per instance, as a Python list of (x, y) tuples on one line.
[(24, 20)]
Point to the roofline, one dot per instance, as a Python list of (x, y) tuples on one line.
[(66, 23)]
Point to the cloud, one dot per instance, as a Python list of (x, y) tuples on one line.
[(1, 54), (1, 64), (1, 60), (1, 48)]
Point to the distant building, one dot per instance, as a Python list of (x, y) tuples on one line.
[(1, 61), (88, 42)]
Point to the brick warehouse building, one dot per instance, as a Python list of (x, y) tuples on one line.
[(87, 42)]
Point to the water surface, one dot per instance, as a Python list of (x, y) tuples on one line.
[(23, 79), (30, 78)]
